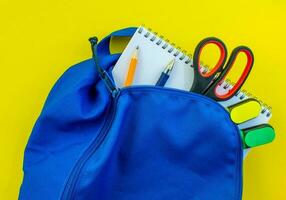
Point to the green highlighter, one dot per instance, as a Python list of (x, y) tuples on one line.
[(257, 135)]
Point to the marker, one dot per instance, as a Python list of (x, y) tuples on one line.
[(166, 73), (245, 110), (132, 68), (257, 135)]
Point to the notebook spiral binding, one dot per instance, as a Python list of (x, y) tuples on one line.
[(188, 59), (165, 44)]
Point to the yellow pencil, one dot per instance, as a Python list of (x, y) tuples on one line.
[(132, 68)]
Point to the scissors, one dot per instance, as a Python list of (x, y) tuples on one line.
[(206, 83)]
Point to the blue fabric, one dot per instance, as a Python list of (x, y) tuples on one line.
[(147, 143)]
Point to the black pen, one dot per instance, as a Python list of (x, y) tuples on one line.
[(166, 73)]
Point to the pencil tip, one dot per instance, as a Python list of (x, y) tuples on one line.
[(135, 53)]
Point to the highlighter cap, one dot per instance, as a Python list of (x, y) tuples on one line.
[(245, 110), (259, 135)]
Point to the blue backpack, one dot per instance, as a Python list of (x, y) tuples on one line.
[(94, 141)]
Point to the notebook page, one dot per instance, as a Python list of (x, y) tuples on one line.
[(154, 54)]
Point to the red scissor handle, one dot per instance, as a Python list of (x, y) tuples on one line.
[(223, 54), (212, 91), (203, 80)]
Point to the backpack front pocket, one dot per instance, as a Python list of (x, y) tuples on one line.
[(163, 144)]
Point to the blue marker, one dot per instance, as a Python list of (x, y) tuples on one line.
[(166, 73)]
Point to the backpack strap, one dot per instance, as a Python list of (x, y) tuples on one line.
[(103, 59)]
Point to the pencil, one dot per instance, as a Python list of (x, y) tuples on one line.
[(132, 68)]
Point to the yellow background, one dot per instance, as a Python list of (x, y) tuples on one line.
[(39, 40)]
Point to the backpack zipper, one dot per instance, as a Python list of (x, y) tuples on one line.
[(70, 185)]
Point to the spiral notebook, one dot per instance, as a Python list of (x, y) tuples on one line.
[(155, 53)]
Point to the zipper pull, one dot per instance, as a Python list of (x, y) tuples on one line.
[(115, 93)]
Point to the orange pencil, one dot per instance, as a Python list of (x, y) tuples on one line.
[(132, 68)]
